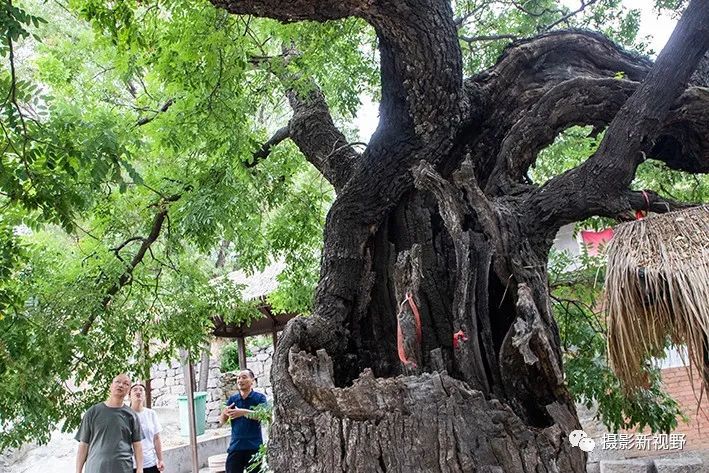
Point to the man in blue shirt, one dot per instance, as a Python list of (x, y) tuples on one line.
[(245, 432)]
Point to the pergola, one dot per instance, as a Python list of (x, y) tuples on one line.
[(257, 286), (269, 323)]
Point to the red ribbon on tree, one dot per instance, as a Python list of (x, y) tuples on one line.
[(459, 337), (641, 214), (399, 334)]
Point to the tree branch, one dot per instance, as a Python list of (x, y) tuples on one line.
[(598, 186), (294, 10), (494, 37), (584, 4), (682, 142), (312, 129), (123, 245), (631, 132), (577, 101), (127, 275), (163, 109), (526, 71), (265, 149), (650, 201)]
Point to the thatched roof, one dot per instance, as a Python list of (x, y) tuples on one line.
[(256, 286), (259, 284), (657, 288)]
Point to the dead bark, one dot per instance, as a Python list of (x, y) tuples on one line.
[(425, 423)]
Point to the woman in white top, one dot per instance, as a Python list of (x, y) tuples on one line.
[(152, 448)]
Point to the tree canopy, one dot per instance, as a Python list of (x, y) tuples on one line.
[(144, 140)]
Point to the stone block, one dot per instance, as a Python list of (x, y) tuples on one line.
[(170, 382), (157, 383), (212, 383), (213, 405), (213, 417), (678, 465), (625, 466), (262, 356)]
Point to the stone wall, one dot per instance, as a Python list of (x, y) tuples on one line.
[(260, 364), (167, 382)]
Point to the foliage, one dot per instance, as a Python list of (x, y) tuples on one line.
[(576, 285), (496, 24), (229, 357), (134, 164), (583, 334), (258, 461), (264, 414)]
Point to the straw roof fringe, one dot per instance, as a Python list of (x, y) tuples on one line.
[(657, 288)]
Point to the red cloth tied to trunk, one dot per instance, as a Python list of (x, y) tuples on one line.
[(399, 334)]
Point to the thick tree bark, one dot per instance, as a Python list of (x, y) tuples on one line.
[(435, 222)]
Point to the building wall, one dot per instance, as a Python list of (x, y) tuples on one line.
[(679, 386)]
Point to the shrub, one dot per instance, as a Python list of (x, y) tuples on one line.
[(229, 357)]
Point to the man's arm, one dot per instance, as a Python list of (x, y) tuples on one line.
[(81, 455), (225, 414), (158, 451), (231, 412), (138, 453)]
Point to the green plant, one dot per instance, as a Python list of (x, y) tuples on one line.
[(258, 462), (264, 414), (229, 357), (258, 342)]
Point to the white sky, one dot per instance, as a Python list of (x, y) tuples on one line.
[(657, 29)]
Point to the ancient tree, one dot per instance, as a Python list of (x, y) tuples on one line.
[(438, 217)]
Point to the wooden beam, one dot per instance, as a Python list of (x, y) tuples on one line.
[(261, 326)]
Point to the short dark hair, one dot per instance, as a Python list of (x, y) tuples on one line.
[(138, 384), (251, 373)]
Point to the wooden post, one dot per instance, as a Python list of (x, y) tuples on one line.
[(274, 335), (189, 391), (146, 381), (242, 352), (148, 393)]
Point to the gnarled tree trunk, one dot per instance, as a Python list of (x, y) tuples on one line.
[(437, 221)]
